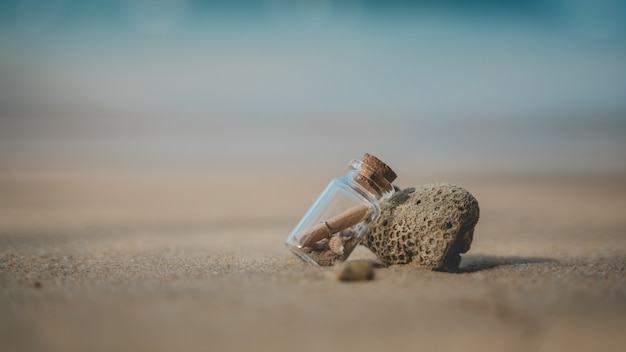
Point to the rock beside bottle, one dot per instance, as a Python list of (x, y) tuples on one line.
[(429, 225)]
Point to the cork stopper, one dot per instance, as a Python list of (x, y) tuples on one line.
[(375, 175), (378, 167)]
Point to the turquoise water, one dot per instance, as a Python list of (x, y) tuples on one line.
[(512, 87)]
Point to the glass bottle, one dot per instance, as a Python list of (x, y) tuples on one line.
[(340, 217)]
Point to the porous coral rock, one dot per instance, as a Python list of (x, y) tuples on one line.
[(429, 225)]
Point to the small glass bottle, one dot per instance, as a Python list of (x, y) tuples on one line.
[(340, 217)]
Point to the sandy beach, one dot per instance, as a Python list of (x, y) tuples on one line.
[(155, 155), (156, 261)]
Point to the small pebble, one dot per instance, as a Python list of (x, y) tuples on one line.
[(354, 271)]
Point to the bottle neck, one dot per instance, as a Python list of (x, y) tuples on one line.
[(373, 183)]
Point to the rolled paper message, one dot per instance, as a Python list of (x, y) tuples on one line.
[(335, 224)]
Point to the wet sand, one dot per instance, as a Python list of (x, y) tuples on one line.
[(156, 261)]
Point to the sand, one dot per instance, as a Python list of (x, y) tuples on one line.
[(167, 261)]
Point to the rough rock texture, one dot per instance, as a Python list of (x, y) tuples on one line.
[(430, 225)]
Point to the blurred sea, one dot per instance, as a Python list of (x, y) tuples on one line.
[(496, 87)]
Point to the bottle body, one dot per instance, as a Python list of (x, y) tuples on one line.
[(336, 244), (337, 221)]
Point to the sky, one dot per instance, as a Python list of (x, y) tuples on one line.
[(487, 86)]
